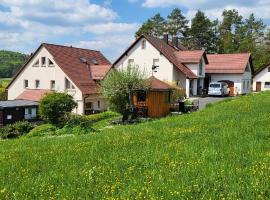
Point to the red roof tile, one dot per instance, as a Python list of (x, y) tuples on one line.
[(68, 59), (99, 71), (189, 56), (32, 95), (227, 63), (156, 84)]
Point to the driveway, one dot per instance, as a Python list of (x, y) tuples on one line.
[(203, 101)]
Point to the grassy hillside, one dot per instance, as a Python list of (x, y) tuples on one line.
[(222, 152), (10, 62)]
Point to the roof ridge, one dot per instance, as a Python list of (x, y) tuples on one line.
[(60, 45)]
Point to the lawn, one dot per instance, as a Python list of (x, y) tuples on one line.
[(221, 152)]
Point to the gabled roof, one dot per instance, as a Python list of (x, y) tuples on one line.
[(194, 56), (228, 63), (32, 95), (261, 69), (69, 60), (167, 50), (156, 84)]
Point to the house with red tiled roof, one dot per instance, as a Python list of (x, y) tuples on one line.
[(261, 79), (168, 61), (235, 69), (60, 68)]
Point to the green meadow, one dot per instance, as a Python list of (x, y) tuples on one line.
[(221, 152)]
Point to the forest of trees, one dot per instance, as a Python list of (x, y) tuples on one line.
[(10, 62), (232, 34)]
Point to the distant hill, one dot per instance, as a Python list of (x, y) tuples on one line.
[(10, 62)]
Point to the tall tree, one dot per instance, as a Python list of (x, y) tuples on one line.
[(177, 24), (154, 26), (159, 24), (146, 28), (202, 33), (228, 29)]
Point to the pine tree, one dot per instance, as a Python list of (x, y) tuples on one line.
[(202, 33), (146, 28), (177, 24)]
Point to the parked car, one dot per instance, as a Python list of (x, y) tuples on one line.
[(218, 89)]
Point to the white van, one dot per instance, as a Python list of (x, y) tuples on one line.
[(218, 89)]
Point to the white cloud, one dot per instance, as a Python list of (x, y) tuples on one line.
[(112, 46), (111, 28), (26, 23)]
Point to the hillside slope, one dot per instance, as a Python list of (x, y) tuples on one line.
[(220, 152), (10, 62)]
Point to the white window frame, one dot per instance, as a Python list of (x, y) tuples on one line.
[(144, 44), (51, 84), (49, 63), (131, 62), (45, 59), (37, 63)]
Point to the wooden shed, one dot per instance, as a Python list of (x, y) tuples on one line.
[(17, 110), (154, 102)]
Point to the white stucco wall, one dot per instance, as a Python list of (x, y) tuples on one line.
[(194, 67), (143, 58), (263, 76), (45, 75)]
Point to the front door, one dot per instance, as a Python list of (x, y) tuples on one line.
[(258, 86), (231, 86)]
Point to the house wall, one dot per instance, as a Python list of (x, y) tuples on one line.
[(242, 82), (263, 76), (143, 58), (45, 75), (94, 99)]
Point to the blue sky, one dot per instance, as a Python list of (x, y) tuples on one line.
[(105, 25)]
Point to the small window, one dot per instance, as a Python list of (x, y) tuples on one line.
[(141, 96), (200, 68), (144, 44), (43, 61), (37, 83), (25, 83), (36, 64), (156, 62), (9, 117), (68, 84), (52, 84), (130, 62), (50, 63), (267, 85), (98, 104), (89, 105)]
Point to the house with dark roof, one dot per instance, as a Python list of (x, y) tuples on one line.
[(59, 68), (235, 69), (261, 79), (168, 61)]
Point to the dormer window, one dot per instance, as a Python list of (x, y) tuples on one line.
[(36, 64), (144, 44), (50, 63), (43, 61)]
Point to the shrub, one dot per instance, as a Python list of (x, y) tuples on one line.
[(118, 85), (56, 107), (15, 130), (42, 130), (3, 94)]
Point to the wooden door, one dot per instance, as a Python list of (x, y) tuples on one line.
[(231, 85), (258, 86)]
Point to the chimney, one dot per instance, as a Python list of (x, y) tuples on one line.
[(175, 42), (166, 38)]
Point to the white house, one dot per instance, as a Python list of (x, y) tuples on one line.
[(167, 61), (261, 79), (236, 69), (63, 69)]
